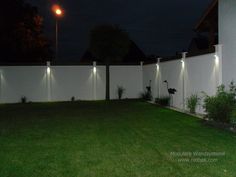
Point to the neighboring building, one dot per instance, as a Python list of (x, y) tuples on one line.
[(206, 31), (227, 37), (135, 55), (218, 26)]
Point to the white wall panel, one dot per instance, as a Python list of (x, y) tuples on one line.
[(201, 76), (129, 77), (19, 81), (150, 75), (172, 71)]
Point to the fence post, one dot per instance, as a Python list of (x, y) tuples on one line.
[(218, 64), (141, 67), (48, 72), (183, 78), (95, 80)]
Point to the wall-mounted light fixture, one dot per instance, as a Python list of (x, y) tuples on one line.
[(48, 67), (216, 60), (183, 63), (158, 63), (94, 67), (184, 55), (48, 70)]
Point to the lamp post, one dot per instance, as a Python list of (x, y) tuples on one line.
[(58, 12)]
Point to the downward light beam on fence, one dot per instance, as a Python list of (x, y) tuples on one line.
[(159, 77), (183, 77), (48, 71), (95, 80), (141, 68), (94, 67), (218, 64)]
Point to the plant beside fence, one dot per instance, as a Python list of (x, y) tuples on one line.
[(192, 102), (220, 107)]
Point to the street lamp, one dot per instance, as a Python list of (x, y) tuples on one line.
[(58, 12)]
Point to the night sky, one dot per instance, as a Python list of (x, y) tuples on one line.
[(158, 27)]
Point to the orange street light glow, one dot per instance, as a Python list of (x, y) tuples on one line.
[(57, 10)]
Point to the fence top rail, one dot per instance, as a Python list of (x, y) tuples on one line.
[(67, 64), (178, 57)]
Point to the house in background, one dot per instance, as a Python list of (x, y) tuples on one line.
[(218, 26), (227, 37), (206, 31)]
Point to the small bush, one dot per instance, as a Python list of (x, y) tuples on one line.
[(192, 103), (23, 99), (120, 92), (220, 107), (147, 95), (164, 101)]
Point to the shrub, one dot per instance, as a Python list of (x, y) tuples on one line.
[(120, 91), (23, 99), (164, 101), (192, 103), (72, 99), (147, 95), (220, 107)]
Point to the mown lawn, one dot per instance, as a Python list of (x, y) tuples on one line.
[(109, 139)]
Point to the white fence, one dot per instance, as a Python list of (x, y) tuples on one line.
[(60, 83), (192, 75)]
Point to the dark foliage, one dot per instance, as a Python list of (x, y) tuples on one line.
[(21, 33), (72, 99), (23, 99), (120, 92), (220, 107), (108, 43), (146, 96), (164, 101)]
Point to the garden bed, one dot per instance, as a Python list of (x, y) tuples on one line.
[(224, 126)]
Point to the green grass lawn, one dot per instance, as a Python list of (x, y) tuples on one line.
[(109, 139)]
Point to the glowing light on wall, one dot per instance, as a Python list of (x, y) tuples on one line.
[(48, 67), (94, 69), (157, 65), (48, 70), (217, 60), (183, 63)]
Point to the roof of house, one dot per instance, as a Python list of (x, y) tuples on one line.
[(209, 18)]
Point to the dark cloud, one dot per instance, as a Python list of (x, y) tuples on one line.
[(158, 27)]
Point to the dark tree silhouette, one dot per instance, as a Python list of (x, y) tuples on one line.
[(21, 33), (109, 43)]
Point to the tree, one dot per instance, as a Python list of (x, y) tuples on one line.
[(109, 43), (21, 33)]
